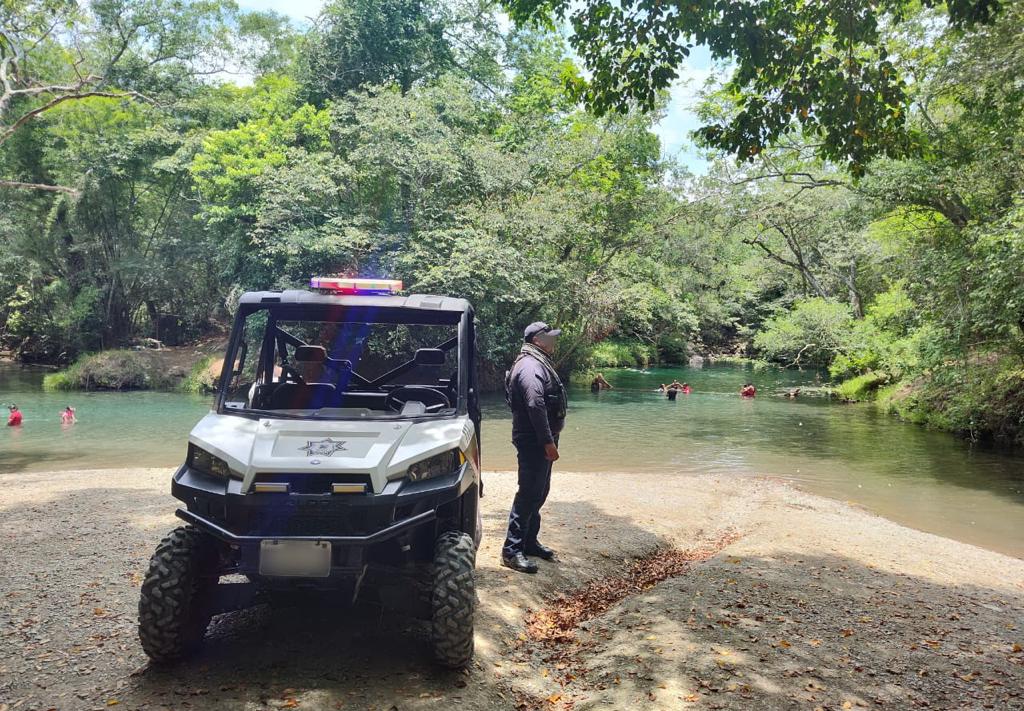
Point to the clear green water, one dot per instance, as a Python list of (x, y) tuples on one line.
[(928, 480)]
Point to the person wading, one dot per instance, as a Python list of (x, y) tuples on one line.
[(537, 398)]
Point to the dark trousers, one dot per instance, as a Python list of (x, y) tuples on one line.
[(534, 485)]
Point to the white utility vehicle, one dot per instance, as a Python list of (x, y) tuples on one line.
[(342, 456)]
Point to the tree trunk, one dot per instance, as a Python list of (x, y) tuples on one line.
[(856, 303)]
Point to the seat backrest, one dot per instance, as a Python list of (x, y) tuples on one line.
[(293, 396), (309, 363)]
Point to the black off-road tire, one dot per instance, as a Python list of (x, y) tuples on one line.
[(453, 599), (175, 604)]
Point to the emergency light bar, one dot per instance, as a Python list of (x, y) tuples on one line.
[(337, 285)]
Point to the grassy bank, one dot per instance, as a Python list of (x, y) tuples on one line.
[(108, 370), (191, 369), (861, 387), (622, 354), (982, 401)]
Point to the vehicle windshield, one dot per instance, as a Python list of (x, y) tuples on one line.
[(288, 365)]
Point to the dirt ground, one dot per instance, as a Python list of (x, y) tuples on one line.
[(792, 602)]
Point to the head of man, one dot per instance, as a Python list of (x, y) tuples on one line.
[(542, 335)]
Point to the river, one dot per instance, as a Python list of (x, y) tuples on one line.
[(925, 479)]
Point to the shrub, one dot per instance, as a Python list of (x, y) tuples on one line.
[(860, 387), (621, 354), (887, 339), (982, 400), (813, 333), (109, 370), (203, 376)]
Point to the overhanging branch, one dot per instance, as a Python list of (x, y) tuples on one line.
[(17, 185)]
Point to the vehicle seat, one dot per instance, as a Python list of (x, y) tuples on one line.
[(309, 363), (295, 396)]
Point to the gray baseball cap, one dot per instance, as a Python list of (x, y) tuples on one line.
[(540, 327)]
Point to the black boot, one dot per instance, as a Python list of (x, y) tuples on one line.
[(519, 563), (539, 550)]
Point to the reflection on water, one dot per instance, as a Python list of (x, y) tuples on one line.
[(929, 480)]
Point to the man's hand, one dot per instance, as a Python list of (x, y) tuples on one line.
[(550, 452)]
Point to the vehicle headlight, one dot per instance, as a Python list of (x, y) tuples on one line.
[(202, 461), (438, 465)]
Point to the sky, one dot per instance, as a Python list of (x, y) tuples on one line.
[(673, 129)]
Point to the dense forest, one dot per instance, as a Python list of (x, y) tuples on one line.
[(863, 208)]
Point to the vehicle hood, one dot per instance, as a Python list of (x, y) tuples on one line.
[(384, 449)]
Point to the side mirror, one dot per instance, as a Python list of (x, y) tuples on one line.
[(429, 356)]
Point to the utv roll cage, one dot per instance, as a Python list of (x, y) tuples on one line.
[(301, 305)]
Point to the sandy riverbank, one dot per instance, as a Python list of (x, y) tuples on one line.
[(810, 603)]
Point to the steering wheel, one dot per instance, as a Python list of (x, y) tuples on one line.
[(432, 398)]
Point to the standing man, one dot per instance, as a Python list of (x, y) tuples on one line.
[(537, 398)]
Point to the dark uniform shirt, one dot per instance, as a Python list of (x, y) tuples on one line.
[(538, 403)]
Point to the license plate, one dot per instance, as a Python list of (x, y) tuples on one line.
[(307, 559)]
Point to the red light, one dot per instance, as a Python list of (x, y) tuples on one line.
[(338, 285)]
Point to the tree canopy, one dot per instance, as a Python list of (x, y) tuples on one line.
[(825, 68), (861, 210)]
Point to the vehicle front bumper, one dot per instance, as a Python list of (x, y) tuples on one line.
[(352, 523)]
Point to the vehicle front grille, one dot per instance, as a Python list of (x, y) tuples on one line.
[(309, 521), (312, 482)]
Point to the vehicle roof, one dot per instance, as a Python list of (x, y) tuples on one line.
[(302, 297)]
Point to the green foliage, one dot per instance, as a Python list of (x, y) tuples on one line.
[(229, 168), (820, 68), (621, 354), (813, 333), (889, 339), (371, 42), (109, 370), (860, 387), (426, 141), (201, 378), (753, 363), (983, 400)]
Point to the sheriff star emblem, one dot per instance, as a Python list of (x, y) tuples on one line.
[(322, 447)]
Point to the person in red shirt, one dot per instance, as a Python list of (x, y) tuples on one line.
[(748, 390), (14, 419)]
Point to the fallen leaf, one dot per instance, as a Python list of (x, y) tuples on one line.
[(814, 642), (784, 643), (554, 698), (846, 632)]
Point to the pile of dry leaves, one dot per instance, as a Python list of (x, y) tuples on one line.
[(565, 612)]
